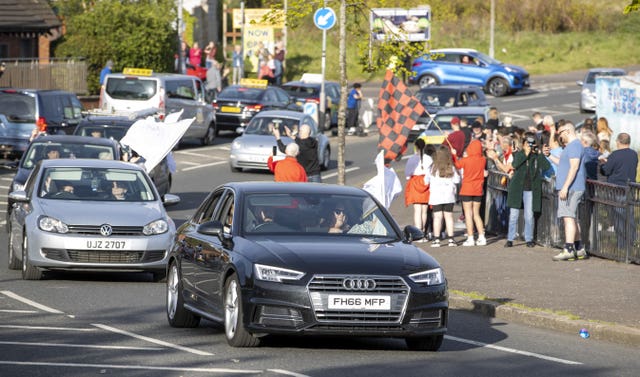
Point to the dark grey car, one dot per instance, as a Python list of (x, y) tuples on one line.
[(22, 110)]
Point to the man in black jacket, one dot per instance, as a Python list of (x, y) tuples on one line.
[(308, 156), (621, 166)]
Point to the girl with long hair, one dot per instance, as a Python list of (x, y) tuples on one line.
[(442, 179)]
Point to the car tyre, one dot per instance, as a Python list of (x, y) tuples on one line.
[(431, 343), (157, 276), (210, 136), (29, 272), (326, 159), (327, 122), (236, 334), (177, 315), (498, 87), (427, 80), (14, 263)]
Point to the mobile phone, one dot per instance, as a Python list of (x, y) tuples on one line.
[(275, 150)]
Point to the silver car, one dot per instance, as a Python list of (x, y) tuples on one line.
[(588, 93), (88, 215), (252, 149)]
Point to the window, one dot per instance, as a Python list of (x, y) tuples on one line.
[(206, 210)]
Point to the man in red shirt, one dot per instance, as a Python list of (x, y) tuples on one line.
[(289, 169)]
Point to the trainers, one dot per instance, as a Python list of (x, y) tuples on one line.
[(508, 244), (531, 244), (481, 241), (469, 242), (582, 254), (430, 236), (421, 240), (452, 242), (435, 243), (565, 255)]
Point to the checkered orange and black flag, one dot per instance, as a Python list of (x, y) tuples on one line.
[(399, 111)]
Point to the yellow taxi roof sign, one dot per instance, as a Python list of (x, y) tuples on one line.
[(254, 83), (137, 71)]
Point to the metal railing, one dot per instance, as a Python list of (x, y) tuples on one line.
[(65, 74), (609, 216)]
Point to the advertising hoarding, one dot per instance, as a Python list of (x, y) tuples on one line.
[(410, 25)]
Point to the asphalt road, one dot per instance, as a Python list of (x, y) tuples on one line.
[(75, 324)]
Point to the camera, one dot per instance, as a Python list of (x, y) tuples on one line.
[(532, 144)]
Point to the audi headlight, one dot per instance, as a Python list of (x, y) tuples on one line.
[(430, 277), (155, 227), (276, 274), (50, 224)]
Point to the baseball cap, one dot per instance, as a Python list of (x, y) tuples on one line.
[(455, 120)]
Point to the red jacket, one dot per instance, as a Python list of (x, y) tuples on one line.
[(473, 167), (289, 170)]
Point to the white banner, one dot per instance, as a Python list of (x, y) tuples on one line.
[(154, 140)]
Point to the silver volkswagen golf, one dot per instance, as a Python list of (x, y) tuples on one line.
[(88, 215)]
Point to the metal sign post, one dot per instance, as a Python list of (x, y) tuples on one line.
[(325, 19)]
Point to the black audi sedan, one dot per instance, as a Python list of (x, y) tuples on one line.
[(304, 259)]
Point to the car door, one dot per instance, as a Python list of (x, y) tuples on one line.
[(212, 257), (181, 95), (20, 211), (473, 73), (189, 244)]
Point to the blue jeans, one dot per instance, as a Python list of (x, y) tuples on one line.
[(527, 200)]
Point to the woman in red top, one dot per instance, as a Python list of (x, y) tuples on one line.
[(473, 170)]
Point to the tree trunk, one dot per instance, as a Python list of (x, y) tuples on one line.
[(343, 93)]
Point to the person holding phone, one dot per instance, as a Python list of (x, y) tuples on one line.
[(308, 146)]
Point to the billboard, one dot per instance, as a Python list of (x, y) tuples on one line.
[(618, 100), (253, 17), (409, 25), (256, 40)]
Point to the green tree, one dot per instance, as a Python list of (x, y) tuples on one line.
[(132, 33)]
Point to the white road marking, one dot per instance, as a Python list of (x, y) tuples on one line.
[(205, 165), (49, 328), (190, 163), (287, 373), (223, 371), (512, 350), (4, 187), (9, 179), (152, 340), (18, 311), (523, 98), (336, 173), (211, 148), (31, 303), (574, 91), (82, 346)]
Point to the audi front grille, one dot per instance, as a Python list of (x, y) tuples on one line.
[(321, 287)]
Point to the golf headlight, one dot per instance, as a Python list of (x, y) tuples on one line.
[(236, 145), (155, 227), (50, 224), (276, 274), (430, 277)]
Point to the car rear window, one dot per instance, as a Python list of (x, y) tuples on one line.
[(591, 77), (131, 88), (18, 107), (39, 151), (236, 93), (301, 91)]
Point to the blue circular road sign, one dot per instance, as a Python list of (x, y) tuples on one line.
[(324, 18)]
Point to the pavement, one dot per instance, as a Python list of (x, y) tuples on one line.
[(523, 285)]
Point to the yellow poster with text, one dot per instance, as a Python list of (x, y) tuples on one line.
[(256, 40)]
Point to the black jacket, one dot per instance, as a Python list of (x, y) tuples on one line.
[(308, 156)]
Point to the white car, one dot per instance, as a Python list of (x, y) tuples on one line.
[(81, 214), (588, 94)]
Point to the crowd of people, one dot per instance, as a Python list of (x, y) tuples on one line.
[(442, 175)]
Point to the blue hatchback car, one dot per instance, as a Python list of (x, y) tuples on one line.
[(470, 67)]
